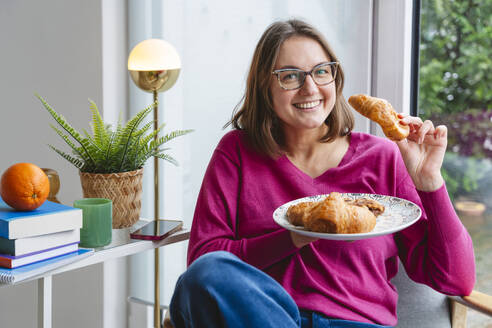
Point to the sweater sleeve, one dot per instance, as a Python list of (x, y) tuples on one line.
[(214, 221), (437, 250)]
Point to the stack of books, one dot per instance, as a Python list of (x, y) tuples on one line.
[(32, 242)]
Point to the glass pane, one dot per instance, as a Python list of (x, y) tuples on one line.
[(215, 40), (221, 50), (455, 80)]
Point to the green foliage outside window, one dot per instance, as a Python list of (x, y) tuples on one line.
[(455, 56), (456, 89)]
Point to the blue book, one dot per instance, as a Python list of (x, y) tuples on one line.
[(48, 218), (12, 276)]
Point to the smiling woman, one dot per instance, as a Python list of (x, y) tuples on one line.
[(307, 104), (287, 278), (307, 88), (297, 105)]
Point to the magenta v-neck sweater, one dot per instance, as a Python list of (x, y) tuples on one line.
[(346, 280)]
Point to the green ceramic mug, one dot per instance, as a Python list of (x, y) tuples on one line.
[(97, 221)]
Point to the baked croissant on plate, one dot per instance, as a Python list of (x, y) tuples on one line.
[(335, 214), (298, 213), (381, 112)]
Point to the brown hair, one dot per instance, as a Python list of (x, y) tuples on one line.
[(255, 115)]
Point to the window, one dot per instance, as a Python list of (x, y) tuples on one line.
[(455, 80), (216, 40)]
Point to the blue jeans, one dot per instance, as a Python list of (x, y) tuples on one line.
[(220, 290)]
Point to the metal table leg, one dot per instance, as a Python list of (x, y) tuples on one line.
[(44, 302)]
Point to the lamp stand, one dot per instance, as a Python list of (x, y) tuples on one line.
[(154, 66), (157, 303)]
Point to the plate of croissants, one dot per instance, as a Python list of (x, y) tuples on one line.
[(347, 216)]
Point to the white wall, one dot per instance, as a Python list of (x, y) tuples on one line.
[(54, 47), (115, 104)]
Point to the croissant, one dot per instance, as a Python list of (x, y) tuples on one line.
[(380, 111), (372, 205), (334, 215), (298, 213)]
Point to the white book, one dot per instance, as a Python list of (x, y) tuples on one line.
[(28, 245)]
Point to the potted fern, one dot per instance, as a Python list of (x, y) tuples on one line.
[(110, 161)]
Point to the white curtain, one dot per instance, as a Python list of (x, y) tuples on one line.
[(216, 39)]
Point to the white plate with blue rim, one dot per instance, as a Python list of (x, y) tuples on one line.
[(398, 214)]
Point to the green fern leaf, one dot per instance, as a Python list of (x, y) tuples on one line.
[(130, 127), (145, 141), (98, 129), (66, 126), (76, 162), (144, 129), (69, 142), (175, 134), (109, 146), (168, 158), (93, 144)]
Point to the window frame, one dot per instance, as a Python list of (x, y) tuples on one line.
[(415, 68), (392, 54)]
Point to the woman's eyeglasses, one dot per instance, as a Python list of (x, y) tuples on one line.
[(293, 78)]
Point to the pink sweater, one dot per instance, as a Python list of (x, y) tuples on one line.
[(346, 280)]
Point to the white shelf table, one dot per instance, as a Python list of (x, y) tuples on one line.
[(120, 246)]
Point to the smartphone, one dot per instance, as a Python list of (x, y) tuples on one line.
[(157, 230)]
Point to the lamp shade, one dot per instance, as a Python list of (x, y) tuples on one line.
[(154, 65), (152, 55)]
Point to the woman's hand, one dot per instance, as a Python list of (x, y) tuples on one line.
[(301, 240), (423, 152)]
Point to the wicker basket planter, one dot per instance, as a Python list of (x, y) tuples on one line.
[(124, 189)]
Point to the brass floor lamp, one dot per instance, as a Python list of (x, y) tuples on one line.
[(154, 66)]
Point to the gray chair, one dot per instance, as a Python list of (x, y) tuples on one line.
[(421, 306)]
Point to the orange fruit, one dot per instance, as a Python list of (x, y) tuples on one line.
[(24, 186)]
